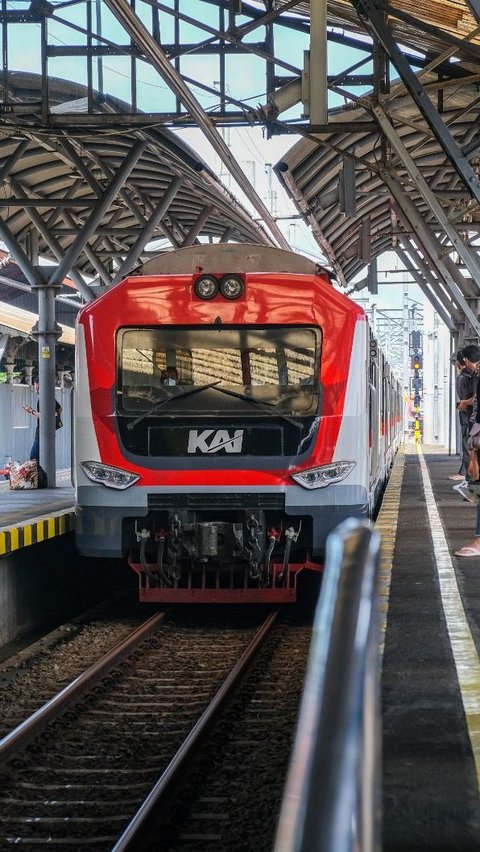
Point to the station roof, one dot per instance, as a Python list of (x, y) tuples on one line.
[(19, 323), (57, 165), (424, 26), (310, 170)]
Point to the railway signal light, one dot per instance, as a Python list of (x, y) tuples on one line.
[(417, 362), (415, 340)]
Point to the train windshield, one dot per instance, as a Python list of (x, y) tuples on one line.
[(220, 369)]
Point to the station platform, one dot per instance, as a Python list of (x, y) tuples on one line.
[(430, 608), (31, 516)]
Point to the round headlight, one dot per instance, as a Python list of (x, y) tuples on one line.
[(206, 287), (231, 286)]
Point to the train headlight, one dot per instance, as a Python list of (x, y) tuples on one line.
[(326, 474), (105, 474), (231, 286), (206, 287)]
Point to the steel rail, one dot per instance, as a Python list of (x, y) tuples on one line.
[(130, 838), (30, 728)]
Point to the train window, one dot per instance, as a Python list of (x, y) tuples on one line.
[(275, 365)]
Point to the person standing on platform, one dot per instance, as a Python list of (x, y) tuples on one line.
[(473, 546), (467, 360), (35, 451)]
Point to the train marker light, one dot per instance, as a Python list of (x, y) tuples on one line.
[(206, 287), (231, 286), (105, 474), (326, 474)]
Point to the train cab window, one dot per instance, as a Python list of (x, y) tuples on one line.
[(222, 367)]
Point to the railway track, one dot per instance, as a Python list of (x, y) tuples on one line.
[(80, 773)]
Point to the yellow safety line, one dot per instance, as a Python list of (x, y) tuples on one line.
[(14, 538), (463, 647), (386, 525), (44, 527)]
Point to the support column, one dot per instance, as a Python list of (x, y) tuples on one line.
[(47, 333)]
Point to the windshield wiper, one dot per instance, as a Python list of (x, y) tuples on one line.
[(261, 404), (168, 399)]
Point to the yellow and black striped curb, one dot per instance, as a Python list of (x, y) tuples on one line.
[(36, 530)]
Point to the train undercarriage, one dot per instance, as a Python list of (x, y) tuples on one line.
[(190, 556)]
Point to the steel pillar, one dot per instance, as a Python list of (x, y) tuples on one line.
[(47, 333)]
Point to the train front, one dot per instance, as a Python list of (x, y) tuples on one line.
[(209, 443)]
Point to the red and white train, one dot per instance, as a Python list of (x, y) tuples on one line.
[(231, 408)]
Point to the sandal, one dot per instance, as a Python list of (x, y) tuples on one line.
[(467, 551)]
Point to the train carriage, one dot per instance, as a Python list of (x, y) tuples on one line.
[(231, 408)]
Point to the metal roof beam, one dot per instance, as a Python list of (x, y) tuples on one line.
[(461, 45), (51, 241), (197, 226), (432, 247), (436, 285), (127, 17), (148, 231), (426, 290), (30, 272), (230, 35), (9, 163), (367, 8), (469, 258), (98, 213), (475, 7), (169, 233), (81, 167), (50, 201), (317, 63)]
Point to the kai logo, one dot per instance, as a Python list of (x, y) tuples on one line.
[(211, 441)]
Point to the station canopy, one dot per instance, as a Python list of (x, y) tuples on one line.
[(54, 179), (441, 41), (396, 167)]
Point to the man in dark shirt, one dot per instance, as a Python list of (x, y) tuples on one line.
[(468, 359)]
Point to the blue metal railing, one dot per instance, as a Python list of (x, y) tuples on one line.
[(332, 797)]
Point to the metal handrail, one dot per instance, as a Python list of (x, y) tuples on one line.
[(332, 796)]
